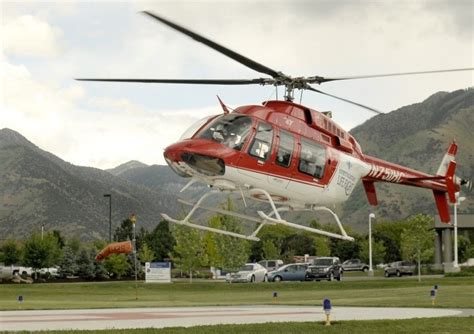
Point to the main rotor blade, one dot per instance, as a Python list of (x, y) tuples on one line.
[(229, 53), (345, 100), (322, 79), (260, 81)]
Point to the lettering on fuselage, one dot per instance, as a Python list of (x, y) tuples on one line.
[(385, 174), (346, 181)]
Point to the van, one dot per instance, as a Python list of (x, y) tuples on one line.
[(271, 264)]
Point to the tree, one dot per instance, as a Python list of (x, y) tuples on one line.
[(230, 252), (270, 251), (146, 254), (189, 252), (41, 252), (390, 233), (272, 233), (378, 251), (322, 246), (11, 252), (59, 238), (298, 244), (117, 265), (85, 263), (125, 231), (417, 240), (68, 265), (465, 248), (161, 241)]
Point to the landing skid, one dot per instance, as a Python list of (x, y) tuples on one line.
[(273, 217)]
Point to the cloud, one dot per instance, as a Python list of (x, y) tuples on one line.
[(91, 131), (27, 35)]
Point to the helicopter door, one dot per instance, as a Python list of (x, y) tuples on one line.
[(311, 167), (255, 163), (281, 166)]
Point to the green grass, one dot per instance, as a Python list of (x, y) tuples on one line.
[(423, 325), (453, 292)]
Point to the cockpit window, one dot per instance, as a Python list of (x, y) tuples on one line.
[(231, 130), (312, 159), (189, 133), (262, 144)]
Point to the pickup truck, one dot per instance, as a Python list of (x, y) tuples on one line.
[(10, 271), (355, 265)]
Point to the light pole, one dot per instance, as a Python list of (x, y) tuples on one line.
[(110, 216), (458, 202), (371, 271), (133, 219)]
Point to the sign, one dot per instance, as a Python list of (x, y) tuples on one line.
[(158, 272)]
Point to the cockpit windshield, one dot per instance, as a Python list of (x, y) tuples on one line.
[(196, 126), (230, 130)]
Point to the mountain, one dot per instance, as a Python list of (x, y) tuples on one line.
[(416, 136), (39, 188), (155, 177), (132, 164)]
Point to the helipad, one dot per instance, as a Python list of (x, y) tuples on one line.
[(194, 316)]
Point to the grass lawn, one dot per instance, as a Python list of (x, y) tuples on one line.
[(452, 292), (423, 325)]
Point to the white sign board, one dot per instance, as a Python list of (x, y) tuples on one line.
[(158, 272)]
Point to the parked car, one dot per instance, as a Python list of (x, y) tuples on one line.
[(324, 268), (250, 272), (399, 269), (355, 265), (271, 264), (289, 272)]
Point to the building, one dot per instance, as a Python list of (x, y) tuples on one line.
[(444, 239)]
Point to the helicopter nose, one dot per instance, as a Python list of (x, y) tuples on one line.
[(189, 157)]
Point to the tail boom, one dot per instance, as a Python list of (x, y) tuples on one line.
[(444, 182)]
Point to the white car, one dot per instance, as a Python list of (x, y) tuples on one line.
[(250, 272)]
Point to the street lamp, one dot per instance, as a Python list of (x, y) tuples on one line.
[(458, 202), (371, 271), (133, 219), (110, 216)]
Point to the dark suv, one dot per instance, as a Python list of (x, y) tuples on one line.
[(324, 268)]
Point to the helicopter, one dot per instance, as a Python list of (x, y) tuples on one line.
[(286, 155)]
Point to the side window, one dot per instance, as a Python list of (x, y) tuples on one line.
[(312, 159), (285, 149), (262, 144)]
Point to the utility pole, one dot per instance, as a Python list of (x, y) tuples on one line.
[(110, 216), (133, 219)]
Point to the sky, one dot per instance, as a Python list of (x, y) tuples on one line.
[(45, 45)]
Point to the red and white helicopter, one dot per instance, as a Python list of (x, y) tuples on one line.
[(285, 154)]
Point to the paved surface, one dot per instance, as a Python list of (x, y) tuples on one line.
[(193, 316)]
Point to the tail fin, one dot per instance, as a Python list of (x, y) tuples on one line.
[(448, 157), (453, 183)]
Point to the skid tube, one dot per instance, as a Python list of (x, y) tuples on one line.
[(262, 220)]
